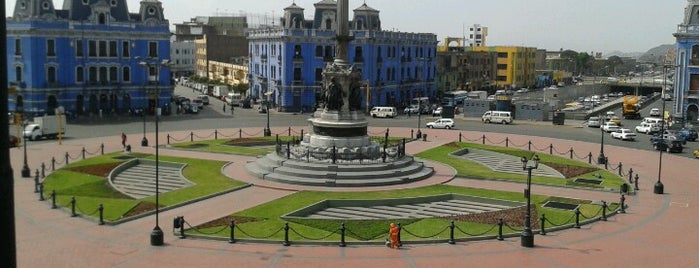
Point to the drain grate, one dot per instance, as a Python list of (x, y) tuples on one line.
[(560, 205), (588, 181)]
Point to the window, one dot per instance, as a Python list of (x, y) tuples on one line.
[(92, 48), (502, 54), (125, 49), (319, 51), (502, 78), (51, 74), (328, 24), (78, 48), (502, 66), (113, 49), (18, 47), (297, 74), (92, 75), (126, 74), (18, 74), (103, 74), (51, 48), (103, 48), (113, 74), (152, 49), (79, 74), (101, 19)]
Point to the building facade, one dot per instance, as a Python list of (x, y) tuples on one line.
[(91, 57), (182, 57), (477, 35), (516, 66), (229, 73), (686, 85), (461, 70), (287, 62)]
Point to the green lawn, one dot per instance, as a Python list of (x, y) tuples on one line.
[(90, 190)]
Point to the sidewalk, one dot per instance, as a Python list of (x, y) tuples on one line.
[(656, 231)]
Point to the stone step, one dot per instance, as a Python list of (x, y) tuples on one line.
[(275, 160), (284, 170), (359, 213)]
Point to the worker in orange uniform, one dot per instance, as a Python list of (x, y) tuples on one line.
[(394, 231)]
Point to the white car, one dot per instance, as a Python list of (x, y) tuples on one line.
[(593, 121), (437, 112), (610, 127), (624, 134), (647, 128), (441, 123), (654, 112)]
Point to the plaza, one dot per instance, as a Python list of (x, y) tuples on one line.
[(654, 232)]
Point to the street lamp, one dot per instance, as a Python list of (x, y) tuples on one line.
[(267, 130), (26, 172), (156, 236), (601, 159), (659, 188), (527, 235)]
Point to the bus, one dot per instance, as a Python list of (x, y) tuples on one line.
[(234, 99), (456, 97)]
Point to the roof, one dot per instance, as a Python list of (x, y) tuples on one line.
[(293, 6), (367, 8)]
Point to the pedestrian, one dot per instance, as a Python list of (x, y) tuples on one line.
[(393, 232), (232, 109), (224, 107), (123, 140)]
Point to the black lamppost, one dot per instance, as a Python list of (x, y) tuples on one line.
[(659, 188), (527, 235), (601, 159), (26, 172), (267, 130), (153, 69)]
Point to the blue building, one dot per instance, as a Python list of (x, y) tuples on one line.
[(91, 57), (287, 61), (686, 84)]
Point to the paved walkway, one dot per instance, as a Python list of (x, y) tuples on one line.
[(657, 231)]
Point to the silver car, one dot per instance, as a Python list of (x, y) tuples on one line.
[(441, 123)]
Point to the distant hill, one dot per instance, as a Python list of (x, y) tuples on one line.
[(634, 55), (656, 54)]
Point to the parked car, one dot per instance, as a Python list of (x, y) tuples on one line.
[(654, 112), (384, 112), (441, 123), (437, 112), (671, 146), (204, 99), (647, 128), (412, 109), (261, 109), (624, 134), (610, 127), (688, 134)]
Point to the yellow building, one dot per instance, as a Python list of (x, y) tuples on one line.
[(516, 66)]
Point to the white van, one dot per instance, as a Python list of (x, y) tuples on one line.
[(497, 117), (653, 120), (384, 112)]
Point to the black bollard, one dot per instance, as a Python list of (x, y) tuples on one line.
[(412, 132), (483, 138), (623, 206), (286, 235), (102, 149), (529, 146), (606, 163), (571, 152), (43, 170), (83, 153), (620, 167), (72, 206), (53, 199), (507, 142), (342, 235), (67, 156), (451, 233), (168, 138), (551, 148), (191, 136), (577, 218), (604, 210), (240, 133), (500, 224), (459, 136), (53, 163), (41, 191), (215, 134), (543, 225), (589, 158), (289, 131), (400, 243), (101, 210), (635, 184), (231, 240)]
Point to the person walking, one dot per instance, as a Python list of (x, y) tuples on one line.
[(393, 232), (123, 140), (232, 109), (224, 107)]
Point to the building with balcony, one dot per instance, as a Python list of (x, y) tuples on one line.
[(87, 57), (287, 62), (229, 73), (458, 69), (686, 80), (516, 66)]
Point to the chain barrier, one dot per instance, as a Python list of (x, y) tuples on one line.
[(203, 137), (498, 143), (359, 237), (312, 239), (587, 218), (187, 137), (77, 207), (560, 153), (557, 225), (517, 145), (255, 134), (60, 163), (258, 237), (512, 228), (221, 134), (423, 237), (73, 158), (479, 234), (205, 233), (91, 153), (540, 149), (578, 157)]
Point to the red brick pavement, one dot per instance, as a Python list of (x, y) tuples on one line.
[(656, 231)]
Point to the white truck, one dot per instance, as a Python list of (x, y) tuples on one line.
[(45, 127), (220, 92)]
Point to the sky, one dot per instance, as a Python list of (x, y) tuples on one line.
[(580, 25)]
